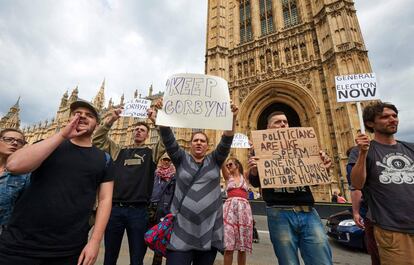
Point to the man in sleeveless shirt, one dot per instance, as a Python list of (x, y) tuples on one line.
[(384, 170), (293, 222)]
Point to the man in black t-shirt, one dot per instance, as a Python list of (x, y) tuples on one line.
[(134, 169), (49, 224), (293, 222), (384, 170)]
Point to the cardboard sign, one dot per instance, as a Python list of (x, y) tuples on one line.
[(196, 101), (289, 158), (240, 141), (356, 87), (136, 108)]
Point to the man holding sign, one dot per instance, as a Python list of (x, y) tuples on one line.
[(293, 222), (134, 170), (384, 170)]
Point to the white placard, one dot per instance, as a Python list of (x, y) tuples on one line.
[(356, 87), (196, 101), (136, 108), (240, 141)]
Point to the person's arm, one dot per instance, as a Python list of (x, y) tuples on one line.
[(223, 148), (225, 172), (253, 172), (356, 198), (90, 251), (235, 111), (28, 159), (159, 149), (100, 138), (171, 146), (359, 171)]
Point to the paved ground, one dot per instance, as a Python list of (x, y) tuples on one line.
[(262, 252)]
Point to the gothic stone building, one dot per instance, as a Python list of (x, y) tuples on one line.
[(276, 55), (283, 55)]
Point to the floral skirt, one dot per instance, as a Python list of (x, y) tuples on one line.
[(238, 224)]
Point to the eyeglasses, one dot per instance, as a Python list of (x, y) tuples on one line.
[(229, 164), (11, 140)]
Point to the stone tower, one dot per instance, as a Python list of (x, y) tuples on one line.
[(11, 119), (99, 100), (283, 55)]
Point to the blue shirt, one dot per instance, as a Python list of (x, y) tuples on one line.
[(11, 187)]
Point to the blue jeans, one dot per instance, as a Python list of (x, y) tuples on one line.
[(291, 230), (134, 220)]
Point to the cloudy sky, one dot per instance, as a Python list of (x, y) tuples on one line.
[(50, 46)]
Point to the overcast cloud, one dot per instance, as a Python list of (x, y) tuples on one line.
[(50, 46)]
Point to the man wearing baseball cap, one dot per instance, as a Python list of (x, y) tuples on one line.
[(49, 224)]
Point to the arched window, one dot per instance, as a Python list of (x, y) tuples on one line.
[(290, 13), (266, 16), (245, 21)]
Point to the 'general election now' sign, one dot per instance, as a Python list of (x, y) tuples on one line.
[(289, 158), (196, 101), (357, 87)]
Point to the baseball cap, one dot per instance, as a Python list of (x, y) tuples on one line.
[(84, 104)]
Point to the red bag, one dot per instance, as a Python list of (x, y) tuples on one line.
[(158, 237)]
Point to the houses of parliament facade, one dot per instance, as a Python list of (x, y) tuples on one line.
[(276, 55)]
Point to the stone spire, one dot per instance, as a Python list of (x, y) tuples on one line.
[(74, 96), (122, 99), (110, 103), (99, 100), (64, 99), (11, 119), (150, 91), (136, 93)]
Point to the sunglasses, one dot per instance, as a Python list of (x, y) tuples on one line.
[(11, 140), (229, 164)]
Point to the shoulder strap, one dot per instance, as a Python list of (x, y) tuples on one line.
[(196, 176)]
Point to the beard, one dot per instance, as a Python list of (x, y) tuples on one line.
[(388, 131)]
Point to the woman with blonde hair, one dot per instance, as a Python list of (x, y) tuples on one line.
[(238, 219)]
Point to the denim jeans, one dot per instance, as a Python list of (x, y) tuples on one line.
[(134, 221), (292, 230)]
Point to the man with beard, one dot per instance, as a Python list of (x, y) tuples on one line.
[(49, 224), (384, 170)]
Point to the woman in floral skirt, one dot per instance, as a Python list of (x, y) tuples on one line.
[(238, 220)]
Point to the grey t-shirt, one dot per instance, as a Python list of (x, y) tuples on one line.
[(389, 187)]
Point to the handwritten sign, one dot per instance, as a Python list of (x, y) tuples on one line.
[(289, 158), (196, 101), (136, 108), (356, 87), (240, 141)]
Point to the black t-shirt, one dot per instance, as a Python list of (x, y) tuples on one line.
[(51, 217), (389, 186), (134, 170), (296, 196)]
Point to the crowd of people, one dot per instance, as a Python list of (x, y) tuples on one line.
[(49, 190)]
